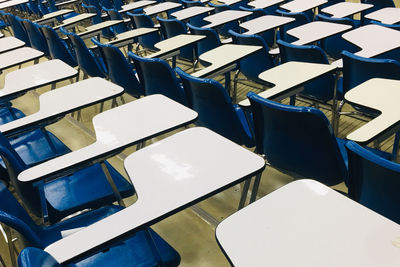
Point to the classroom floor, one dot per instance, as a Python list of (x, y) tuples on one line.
[(192, 231)]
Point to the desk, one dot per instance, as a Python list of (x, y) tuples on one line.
[(18, 56), (191, 12), (70, 23), (224, 17), (10, 43), (387, 15), (381, 95), (112, 136), (184, 170), (302, 5), (264, 23), (159, 8), (50, 17), (345, 9), (264, 3), (288, 78), (170, 47), (305, 223), (127, 38), (136, 5), (18, 82), (58, 103), (12, 3), (223, 59), (96, 29)]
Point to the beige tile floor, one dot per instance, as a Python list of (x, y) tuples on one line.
[(192, 231)]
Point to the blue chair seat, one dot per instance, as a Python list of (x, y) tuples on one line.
[(6, 115)]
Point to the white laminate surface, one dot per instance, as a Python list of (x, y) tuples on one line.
[(264, 23), (378, 94), (224, 56), (97, 28), (345, 9), (191, 12), (264, 3), (172, 44), (161, 7), (126, 38), (306, 223), (387, 15), (136, 5), (74, 20), (289, 76), (225, 17), (12, 3), (373, 39), (35, 76), (162, 114), (18, 56), (10, 43), (169, 175), (302, 5), (65, 100), (315, 31), (53, 15)]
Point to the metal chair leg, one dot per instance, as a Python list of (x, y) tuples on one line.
[(255, 188), (244, 193), (235, 82)]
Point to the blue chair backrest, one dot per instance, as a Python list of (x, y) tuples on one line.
[(106, 3), (118, 4), (300, 19), (256, 63), (43, 9), (174, 27), (144, 21), (334, 45), (115, 15), (58, 48), (33, 8), (373, 181), (210, 42), (95, 10), (298, 140), (15, 216), (52, 5), (17, 28), (188, 3), (164, 83), (87, 61), (357, 70), (36, 37), (36, 257), (214, 107), (120, 71), (321, 88)]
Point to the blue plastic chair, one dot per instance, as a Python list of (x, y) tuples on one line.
[(107, 33), (334, 45), (115, 15), (120, 71), (135, 251), (106, 3), (373, 181), (174, 27), (17, 28), (253, 65), (143, 21), (233, 25), (36, 38), (86, 188), (87, 61), (165, 83), (189, 3), (300, 19), (321, 89), (210, 42), (215, 109), (58, 48), (118, 4)]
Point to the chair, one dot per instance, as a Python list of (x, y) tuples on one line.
[(321, 89), (197, 20), (174, 27), (58, 48), (210, 42), (120, 71), (98, 19), (91, 65), (17, 28), (165, 83), (143, 21), (56, 199), (36, 38), (300, 19), (135, 251), (115, 15), (189, 3), (253, 65), (233, 25), (334, 45), (373, 181)]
